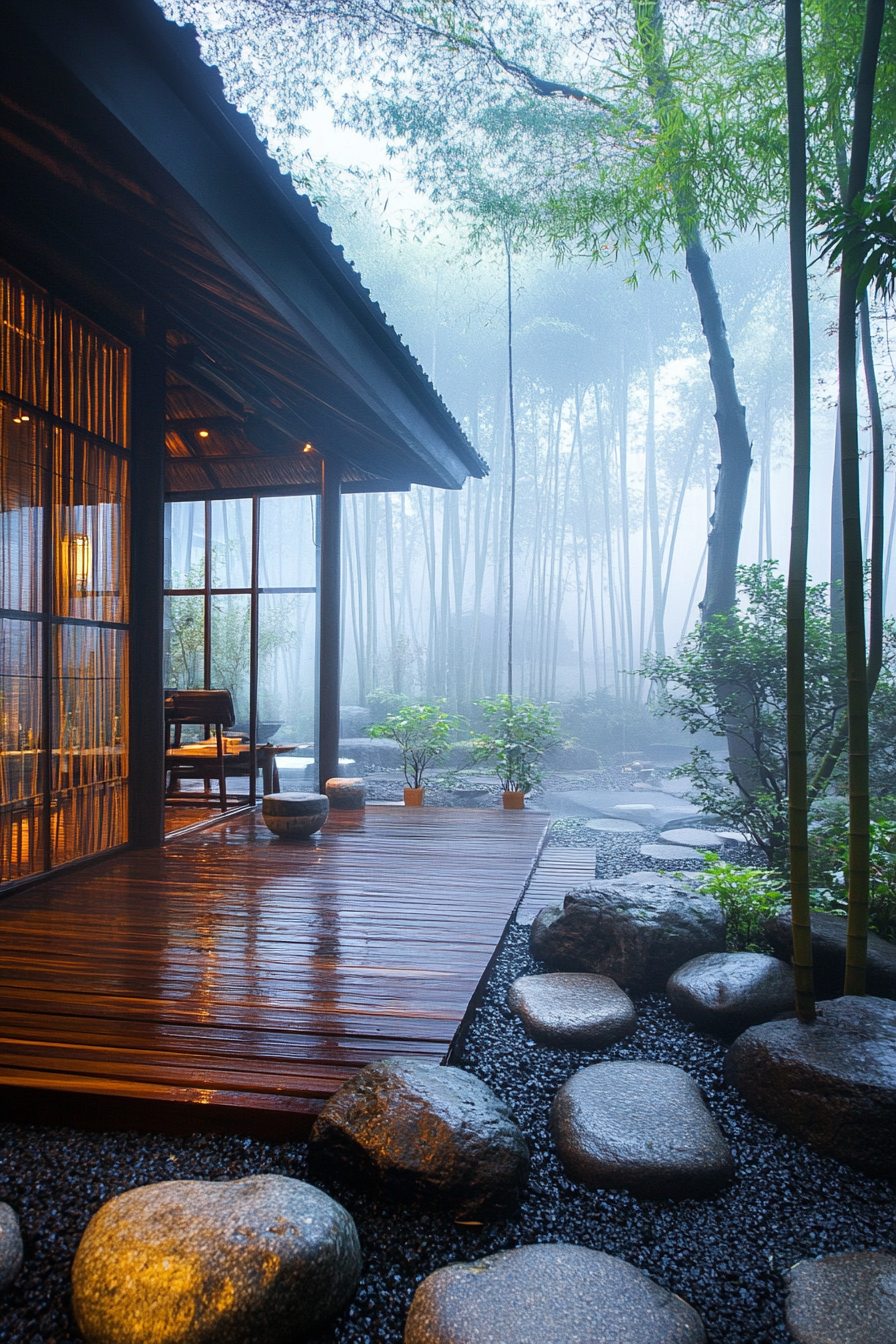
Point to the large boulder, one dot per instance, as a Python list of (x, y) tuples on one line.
[(12, 1252), (637, 929), (571, 1010), (409, 1129), (843, 1299), (548, 1293), (726, 992), (829, 955), (832, 1082), (639, 1126), (202, 1262)]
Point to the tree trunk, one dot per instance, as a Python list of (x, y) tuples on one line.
[(853, 558), (797, 759), (653, 508), (734, 445), (876, 604)]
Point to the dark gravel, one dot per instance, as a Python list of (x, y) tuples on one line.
[(725, 1255)]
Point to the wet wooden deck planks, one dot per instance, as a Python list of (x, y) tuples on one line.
[(231, 980), (559, 871)]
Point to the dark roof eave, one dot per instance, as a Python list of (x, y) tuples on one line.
[(148, 73)]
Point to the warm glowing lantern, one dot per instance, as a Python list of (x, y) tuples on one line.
[(80, 560)]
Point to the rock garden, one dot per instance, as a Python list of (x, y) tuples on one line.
[(634, 1145)]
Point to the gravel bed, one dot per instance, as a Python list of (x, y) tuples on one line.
[(726, 1255)]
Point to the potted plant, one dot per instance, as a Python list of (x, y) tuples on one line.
[(515, 734), (424, 733)]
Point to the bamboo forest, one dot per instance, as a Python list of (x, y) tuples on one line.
[(448, 871)]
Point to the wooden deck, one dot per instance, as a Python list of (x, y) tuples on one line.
[(231, 980)]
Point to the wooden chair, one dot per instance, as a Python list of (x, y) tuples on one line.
[(212, 709)]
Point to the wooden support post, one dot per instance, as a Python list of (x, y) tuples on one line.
[(330, 621), (147, 716)]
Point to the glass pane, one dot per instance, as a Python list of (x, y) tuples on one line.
[(89, 759), (287, 555), (91, 560), (92, 386), (231, 543), (230, 652), (21, 760), (22, 486), (185, 545), (24, 368), (286, 658), (184, 642)]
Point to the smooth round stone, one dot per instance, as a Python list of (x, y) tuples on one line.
[(613, 824), (348, 794), (412, 1130), (669, 852), (692, 835), (293, 816), (832, 1082), (639, 1126), (843, 1299), (206, 1262), (572, 1011), (12, 1252), (726, 992), (637, 929), (829, 954), (548, 1294)]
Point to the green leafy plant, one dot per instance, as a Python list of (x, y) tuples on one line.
[(747, 897), (423, 732), (728, 678), (829, 851), (515, 735)]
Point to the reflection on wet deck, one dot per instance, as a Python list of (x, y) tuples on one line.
[(248, 975)]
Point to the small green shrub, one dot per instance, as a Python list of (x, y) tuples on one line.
[(747, 897), (829, 866), (423, 732), (516, 733)]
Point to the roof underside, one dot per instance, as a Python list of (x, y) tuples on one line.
[(272, 344)]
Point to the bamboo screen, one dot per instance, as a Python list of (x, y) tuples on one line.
[(64, 550)]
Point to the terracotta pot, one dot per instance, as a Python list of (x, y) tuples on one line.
[(514, 799), (413, 797)]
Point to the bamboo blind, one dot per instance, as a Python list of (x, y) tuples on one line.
[(63, 498)]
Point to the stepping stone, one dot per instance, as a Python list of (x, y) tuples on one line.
[(643, 808), (613, 824), (726, 992), (639, 1126), (843, 1299), (637, 929), (692, 835), (572, 1011), (829, 955), (831, 1082), (735, 835), (674, 852), (412, 1130), (227, 1262), (548, 1294), (11, 1250)]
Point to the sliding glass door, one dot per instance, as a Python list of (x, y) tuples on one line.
[(64, 553), (240, 608)]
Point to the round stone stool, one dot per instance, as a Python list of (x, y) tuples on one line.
[(294, 816), (346, 793)]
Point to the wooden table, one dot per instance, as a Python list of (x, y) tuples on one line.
[(238, 763)]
